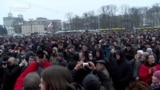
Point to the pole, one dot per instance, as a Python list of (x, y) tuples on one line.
[(31, 28)]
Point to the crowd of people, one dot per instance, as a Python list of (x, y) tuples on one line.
[(114, 60)]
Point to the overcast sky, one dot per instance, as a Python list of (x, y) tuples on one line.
[(57, 9)]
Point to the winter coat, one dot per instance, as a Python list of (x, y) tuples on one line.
[(111, 87), (32, 68), (78, 77), (144, 72), (121, 73), (10, 76), (129, 54), (135, 65)]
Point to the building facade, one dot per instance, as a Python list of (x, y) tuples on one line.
[(13, 24), (39, 25), (34, 28)]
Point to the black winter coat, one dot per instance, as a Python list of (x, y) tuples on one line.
[(121, 73), (79, 75), (10, 76)]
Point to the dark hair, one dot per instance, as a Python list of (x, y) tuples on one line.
[(121, 54), (31, 81), (149, 55), (40, 54), (57, 78), (138, 85), (91, 82)]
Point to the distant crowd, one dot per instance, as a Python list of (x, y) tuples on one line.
[(114, 60)]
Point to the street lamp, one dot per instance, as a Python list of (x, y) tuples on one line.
[(31, 22)]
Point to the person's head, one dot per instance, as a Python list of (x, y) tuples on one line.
[(54, 50), (100, 64), (144, 56), (139, 53), (138, 85), (31, 60), (71, 48), (40, 56), (90, 56), (60, 46), (31, 81), (12, 61), (81, 56), (128, 46), (151, 59), (119, 55), (156, 77), (99, 53), (60, 56), (91, 82), (84, 48), (149, 50), (56, 78)]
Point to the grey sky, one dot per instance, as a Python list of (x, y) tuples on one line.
[(57, 9)]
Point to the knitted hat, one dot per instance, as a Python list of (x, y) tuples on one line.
[(140, 52), (149, 49), (157, 74)]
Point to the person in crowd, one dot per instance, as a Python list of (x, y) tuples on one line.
[(60, 60), (61, 47), (136, 62), (156, 80), (101, 65), (149, 50), (91, 82), (99, 54), (82, 57), (11, 72), (144, 57), (90, 57), (31, 60), (40, 64), (82, 69), (56, 78), (146, 70), (70, 53), (23, 62), (53, 56), (31, 81), (121, 71), (129, 52)]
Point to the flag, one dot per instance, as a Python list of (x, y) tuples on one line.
[(50, 25)]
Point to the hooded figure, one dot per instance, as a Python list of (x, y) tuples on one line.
[(99, 54), (121, 71), (53, 56)]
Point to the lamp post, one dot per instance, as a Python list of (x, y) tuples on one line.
[(31, 22)]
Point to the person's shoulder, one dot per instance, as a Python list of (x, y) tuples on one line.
[(46, 64), (143, 66)]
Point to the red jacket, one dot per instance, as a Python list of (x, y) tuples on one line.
[(144, 73), (32, 68)]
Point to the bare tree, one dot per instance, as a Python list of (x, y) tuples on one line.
[(69, 17)]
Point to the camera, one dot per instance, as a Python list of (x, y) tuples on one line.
[(85, 64)]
